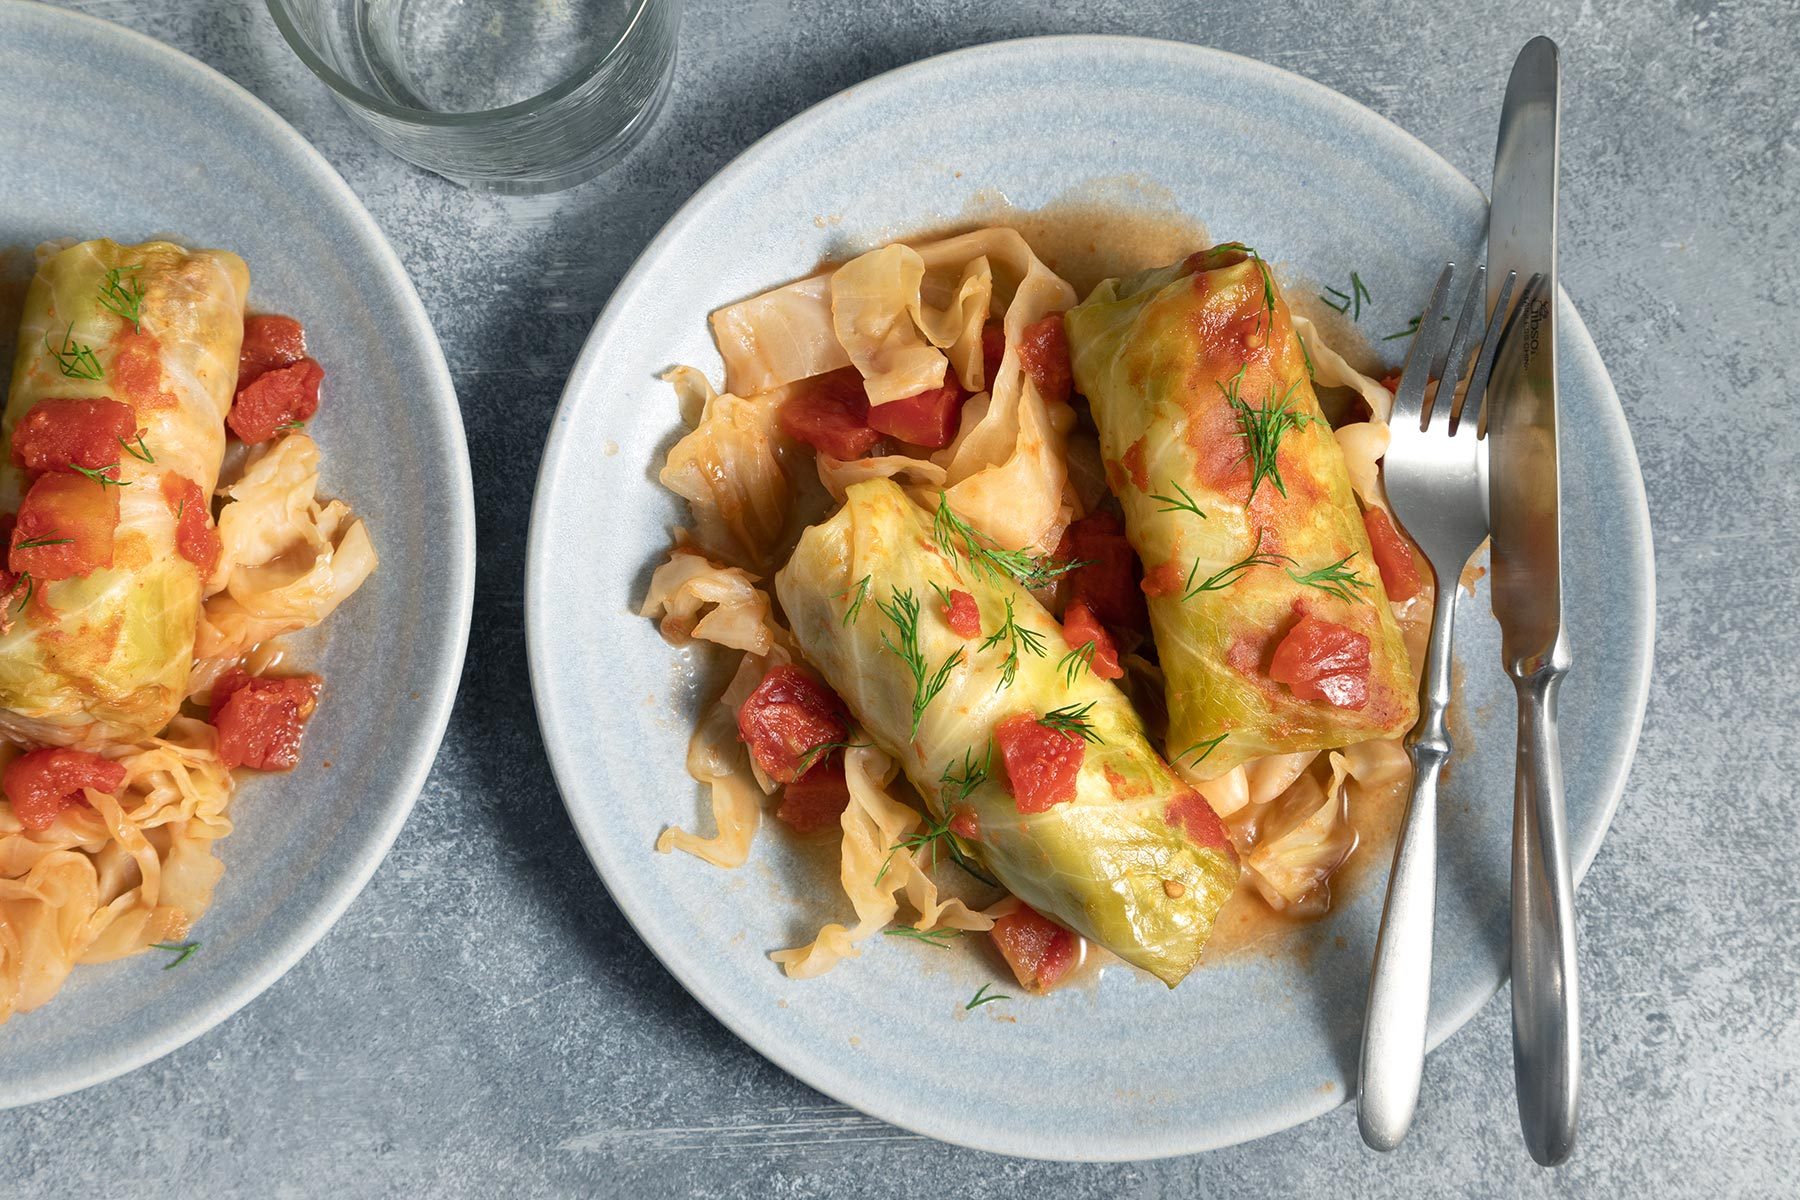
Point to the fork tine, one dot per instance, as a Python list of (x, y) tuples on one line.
[(1475, 395), (1409, 398), (1527, 298), (1456, 356)]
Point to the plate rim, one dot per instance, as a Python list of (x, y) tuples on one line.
[(560, 748), (459, 557)]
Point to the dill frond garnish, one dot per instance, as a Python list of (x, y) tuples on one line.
[(1233, 573), (903, 611), (37, 542), (955, 536), (137, 449), (1072, 718), (1016, 636), (1205, 748), (1336, 578), (973, 775), (181, 950), (812, 756), (75, 359), (1080, 659), (982, 997), (122, 300), (1185, 504), (939, 937), (1262, 430), (858, 592), (99, 474)]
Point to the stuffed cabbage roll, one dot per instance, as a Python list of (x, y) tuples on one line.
[(1038, 771), (1274, 632), (114, 435)]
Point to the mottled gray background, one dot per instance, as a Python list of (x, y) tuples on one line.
[(482, 1021)]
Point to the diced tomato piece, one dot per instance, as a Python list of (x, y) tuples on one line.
[(927, 419), (993, 351), (1039, 951), (1393, 557), (195, 537), (1320, 660), (65, 528), (962, 615), (42, 783), (965, 823), (1164, 579), (260, 718), (137, 372), (60, 435), (276, 398), (830, 413), (1042, 764), (270, 341), (1391, 381), (1107, 582), (1079, 628), (1190, 813), (789, 715), (817, 799), (1044, 352)]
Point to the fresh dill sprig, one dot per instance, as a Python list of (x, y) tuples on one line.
[(141, 451), (30, 589), (1080, 659), (812, 756), (936, 833), (1072, 718), (1350, 301), (1262, 430), (1205, 748), (1359, 292), (181, 950), (903, 611), (1233, 573), (1336, 578), (1268, 280), (38, 542), (1341, 304), (123, 301), (1016, 636), (939, 937), (99, 474), (956, 536), (1185, 504), (75, 359), (982, 997), (974, 774), (1307, 356), (1412, 327), (861, 590)]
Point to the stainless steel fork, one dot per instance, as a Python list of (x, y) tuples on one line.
[(1435, 483)]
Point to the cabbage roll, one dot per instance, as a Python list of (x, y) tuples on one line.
[(104, 653), (1273, 630), (1130, 856)]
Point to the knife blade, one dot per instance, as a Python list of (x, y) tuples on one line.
[(1525, 521)]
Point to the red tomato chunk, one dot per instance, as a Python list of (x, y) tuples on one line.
[(276, 398), (788, 715), (195, 537), (1042, 764), (1107, 580), (962, 614), (1319, 660), (1044, 352), (1080, 628), (270, 341), (61, 435), (1393, 557), (1039, 951), (260, 719), (831, 414), (818, 798), (965, 823), (65, 528), (42, 783), (927, 419)]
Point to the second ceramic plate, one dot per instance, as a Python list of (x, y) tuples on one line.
[(1123, 1069)]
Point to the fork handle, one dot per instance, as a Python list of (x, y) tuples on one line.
[(1545, 984), (1399, 1005)]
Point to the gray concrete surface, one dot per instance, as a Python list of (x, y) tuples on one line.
[(482, 1022)]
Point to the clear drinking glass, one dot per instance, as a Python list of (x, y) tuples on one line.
[(510, 96)]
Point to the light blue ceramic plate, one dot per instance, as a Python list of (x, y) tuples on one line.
[(105, 132), (1124, 1069)]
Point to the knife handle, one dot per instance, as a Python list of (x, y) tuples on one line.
[(1399, 1004), (1545, 987)]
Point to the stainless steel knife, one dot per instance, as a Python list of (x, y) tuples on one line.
[(1526, 524)]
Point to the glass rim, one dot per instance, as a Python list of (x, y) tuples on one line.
[(346, 90)]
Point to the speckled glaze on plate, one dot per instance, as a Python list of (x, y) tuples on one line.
[(177, 149), (1121, 1069)]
